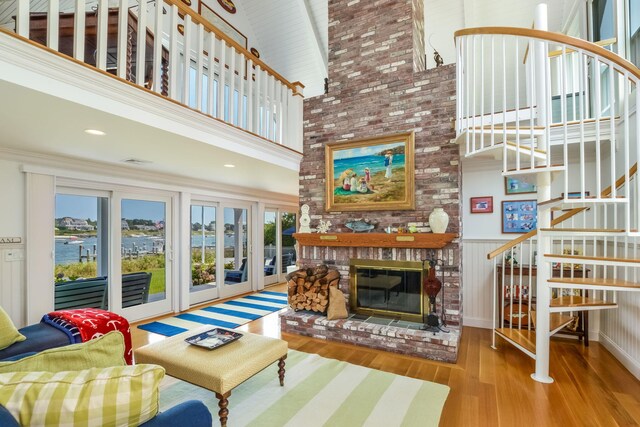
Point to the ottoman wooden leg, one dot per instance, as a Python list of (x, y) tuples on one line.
[(281, 369), (223, 403)]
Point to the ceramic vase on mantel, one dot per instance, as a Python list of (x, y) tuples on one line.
[(438, 220)]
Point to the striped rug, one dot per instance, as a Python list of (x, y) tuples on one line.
[(229, 314), (320, 392)]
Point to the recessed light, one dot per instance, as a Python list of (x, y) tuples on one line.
[(95, 132), (229, 165)]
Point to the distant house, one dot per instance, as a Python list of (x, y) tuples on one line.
[(124, 225), (75, 224)]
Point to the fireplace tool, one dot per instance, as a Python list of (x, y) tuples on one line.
[(432, 287)]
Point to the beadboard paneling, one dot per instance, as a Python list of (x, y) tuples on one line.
[(477, 282), (12, 293)]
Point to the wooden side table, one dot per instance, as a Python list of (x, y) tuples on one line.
[(582, 331)]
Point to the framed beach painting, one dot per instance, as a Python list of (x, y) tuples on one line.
[(519, 216), (371, 174), (515, 186)]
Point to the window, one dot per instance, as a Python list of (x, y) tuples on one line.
[(203, 247), (603, 20)]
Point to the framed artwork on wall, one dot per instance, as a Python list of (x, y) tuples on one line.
[(481, 204), (228, 5), (370, 174), (220, 23), (519, 216), (515, 186)]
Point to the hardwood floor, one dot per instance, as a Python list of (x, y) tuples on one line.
[(492, 387)]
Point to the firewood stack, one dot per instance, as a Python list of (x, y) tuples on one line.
[(309, 288)]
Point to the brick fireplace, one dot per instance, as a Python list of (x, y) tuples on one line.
[(378, 86)]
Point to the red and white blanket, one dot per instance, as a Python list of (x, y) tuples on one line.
[(84, 324)]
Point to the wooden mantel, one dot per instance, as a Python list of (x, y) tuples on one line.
[(377, 240)]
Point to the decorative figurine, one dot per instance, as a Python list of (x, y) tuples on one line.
[(305, 220), (324, 226)]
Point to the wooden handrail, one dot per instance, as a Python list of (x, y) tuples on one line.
[(606, 192), (196, 17), (532, 233), (557, 38), (601, 43)]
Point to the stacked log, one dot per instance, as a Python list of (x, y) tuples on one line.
[(309, 288)]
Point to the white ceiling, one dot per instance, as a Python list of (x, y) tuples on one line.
[(286, 31)]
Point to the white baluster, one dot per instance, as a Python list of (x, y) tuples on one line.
[(284, 98), (186, 73), (265, 104), (612, 142), (53, 24), (199, 65), (103, 19), (598, 108), (141, 46), (583, 82), (250, 95), (626, 90), (493, 91), (22, 18), (123, 29), (157, 47), (495, 299), (482, 101), (242, 72), (258, 102), (517, 96), (78, 29), (232, 85), (173, 52), (565, 129), (211, 72), (221, 78), (277, 137)]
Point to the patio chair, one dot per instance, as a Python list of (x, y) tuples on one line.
[(237, 276), (83, 293)]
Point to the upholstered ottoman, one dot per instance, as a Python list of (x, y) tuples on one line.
[(219, 370)]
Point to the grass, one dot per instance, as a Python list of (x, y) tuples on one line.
[(158, 282)]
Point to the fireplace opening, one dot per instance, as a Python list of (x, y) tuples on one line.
[(387, 289)]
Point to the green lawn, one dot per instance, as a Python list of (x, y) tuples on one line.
[(157, 280)]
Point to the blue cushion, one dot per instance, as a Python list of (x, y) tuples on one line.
[(39, 337), (191, 413)]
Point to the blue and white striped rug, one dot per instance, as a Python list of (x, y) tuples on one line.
[(229, 314)]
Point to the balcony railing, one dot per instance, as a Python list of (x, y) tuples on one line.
[(191, 62)]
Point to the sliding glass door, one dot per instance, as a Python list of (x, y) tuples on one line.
[(144, 243), (271, 250), (235, 236), (203, 285)]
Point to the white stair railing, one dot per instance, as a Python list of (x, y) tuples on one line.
[(191, 61), (595, 126)]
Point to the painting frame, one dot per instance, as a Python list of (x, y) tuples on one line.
[(222, 24), (383, 192), (516, 186), (519, 216), (481, 204)]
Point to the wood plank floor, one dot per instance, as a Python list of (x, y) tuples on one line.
[(492, 387)]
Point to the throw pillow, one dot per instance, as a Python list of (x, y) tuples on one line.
[(116, 396), (337, 304), (101, 352), (8, 332)]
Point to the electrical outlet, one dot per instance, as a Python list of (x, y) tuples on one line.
[(11, 255)]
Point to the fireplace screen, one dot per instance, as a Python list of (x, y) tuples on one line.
[(387, 288)]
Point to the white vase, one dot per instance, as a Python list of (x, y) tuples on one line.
[(438, 220)]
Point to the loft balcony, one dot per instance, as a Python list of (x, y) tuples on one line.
[(75, 65)]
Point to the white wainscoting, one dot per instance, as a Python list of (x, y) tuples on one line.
[(619, 331), (477, 281), (12, 281)]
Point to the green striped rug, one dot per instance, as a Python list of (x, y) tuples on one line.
[(320, 392)]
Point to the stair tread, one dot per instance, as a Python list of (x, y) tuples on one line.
[(577, 199), (578, 301), (524, 337), (594, 258), (595, 281), (557, 165), (525, 148), (527, 338)]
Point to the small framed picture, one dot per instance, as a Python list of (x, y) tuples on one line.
[(515, 186), (482, 204), (519, 216), (576, 194)]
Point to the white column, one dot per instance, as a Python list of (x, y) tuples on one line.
[(544, 219), (294, 119)]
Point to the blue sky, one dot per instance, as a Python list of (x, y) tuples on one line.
[(85, 207), (350, 153)]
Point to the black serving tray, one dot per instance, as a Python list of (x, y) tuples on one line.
[(214, 338)]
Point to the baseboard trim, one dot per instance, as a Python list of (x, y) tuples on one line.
[(627, 361), (477, 322)]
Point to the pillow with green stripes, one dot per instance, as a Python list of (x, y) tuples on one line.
[(116, 396)]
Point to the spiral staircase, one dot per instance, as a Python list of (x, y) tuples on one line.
[(558, 112)]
